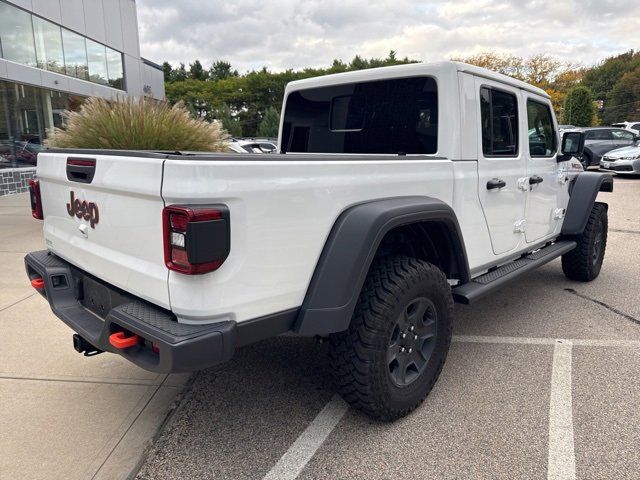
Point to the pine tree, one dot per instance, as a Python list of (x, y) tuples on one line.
[(578, 107), (270, 123)]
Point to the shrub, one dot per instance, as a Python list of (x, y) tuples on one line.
[(136, 124)]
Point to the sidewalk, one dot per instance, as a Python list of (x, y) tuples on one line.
[(64, 415)]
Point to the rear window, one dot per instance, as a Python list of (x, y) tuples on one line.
[(398, 116)]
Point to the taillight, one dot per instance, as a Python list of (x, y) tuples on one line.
[(36, 199), (196, 237)]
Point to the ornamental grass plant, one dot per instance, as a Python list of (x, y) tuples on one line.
[(136, 124)]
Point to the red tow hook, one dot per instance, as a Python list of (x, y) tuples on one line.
[(38, 283), (120, 341)]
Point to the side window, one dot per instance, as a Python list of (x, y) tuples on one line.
[(622, 135), (542, 135), (636, 126), (499, 116), (599, 135)]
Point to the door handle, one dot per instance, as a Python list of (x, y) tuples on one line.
[(496, 183), (535, 179)]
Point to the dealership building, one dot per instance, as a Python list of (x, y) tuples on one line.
[(53, 55)]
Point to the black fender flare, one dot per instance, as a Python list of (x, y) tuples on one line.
[(583, 193), (350, 248)]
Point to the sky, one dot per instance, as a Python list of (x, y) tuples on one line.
[(282, 34)]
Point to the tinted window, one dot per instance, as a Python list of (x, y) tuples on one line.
[(75, 55), (542, 136), (622, 135), (636, 126), (48, 45), (114, 67), (499, 114), (602, 134), (97, 56), (16, 35), (386, 116)]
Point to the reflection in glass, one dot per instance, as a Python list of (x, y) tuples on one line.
[(16, 35), (96, 54), (75, 55), (26, 114), (114, 64), (48, 45)]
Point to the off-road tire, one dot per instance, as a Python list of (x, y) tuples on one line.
[(359, 356), (584, 262)]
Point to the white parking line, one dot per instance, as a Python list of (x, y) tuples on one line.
[(561, 445), (562, 461), (296, 458), (583, 342)]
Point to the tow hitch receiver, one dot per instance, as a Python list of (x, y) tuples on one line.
[(38, 283), (120, 341), (82, 346)]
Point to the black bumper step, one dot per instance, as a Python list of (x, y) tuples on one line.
[(493, 280), (166, 346)]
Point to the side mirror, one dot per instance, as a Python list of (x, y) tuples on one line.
[(572, 146)]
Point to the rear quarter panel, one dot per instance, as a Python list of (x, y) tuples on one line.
[(281, 214)]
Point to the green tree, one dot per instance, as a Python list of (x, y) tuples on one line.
[(623, 101), (578, 107), (603, 77), (196, 72), (180, 73), (270, 123), (221, 70), (167, 70), (229, 122)]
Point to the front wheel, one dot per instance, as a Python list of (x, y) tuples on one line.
[(388, 360), (584, 262)]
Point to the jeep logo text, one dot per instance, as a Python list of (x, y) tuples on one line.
[(83, 209)]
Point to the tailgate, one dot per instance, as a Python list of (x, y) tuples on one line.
[(109, 225)]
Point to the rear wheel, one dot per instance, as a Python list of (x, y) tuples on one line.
[(584, 262), (388, 360)]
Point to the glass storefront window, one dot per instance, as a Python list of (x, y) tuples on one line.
[(114, 66), (48, 45), (26, 114), (16, 35), (36, 42), (97, 55), (75, 55)]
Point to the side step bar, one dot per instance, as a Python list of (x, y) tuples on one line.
[(493, 280)]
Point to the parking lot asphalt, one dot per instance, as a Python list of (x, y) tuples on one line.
[(542, 381)]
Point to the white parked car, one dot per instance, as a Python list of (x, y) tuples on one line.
[(398, 191), (253, 145), (623, 161), (633, 127)]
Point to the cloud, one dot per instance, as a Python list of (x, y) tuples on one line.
[(282, 34)]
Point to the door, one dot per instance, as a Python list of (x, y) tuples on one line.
[(501, 163), (546, 182), (622, 138), (598, 142)]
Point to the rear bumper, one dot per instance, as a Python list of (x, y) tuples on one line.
[(166, 346)]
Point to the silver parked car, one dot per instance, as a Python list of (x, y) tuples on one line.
[(623, 161)]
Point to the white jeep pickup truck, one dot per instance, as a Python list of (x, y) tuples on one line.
[(396, 192)]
